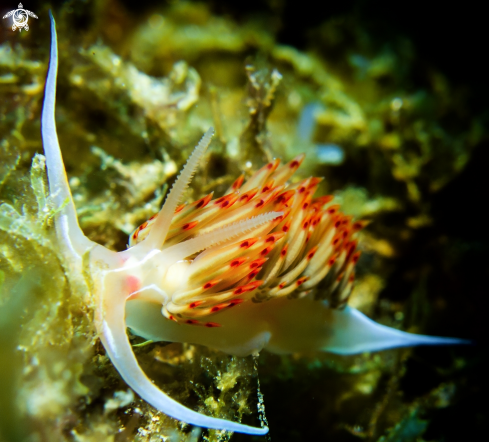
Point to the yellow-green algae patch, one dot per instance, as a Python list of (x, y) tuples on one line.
[(45, 318)]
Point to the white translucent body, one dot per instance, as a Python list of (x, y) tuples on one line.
[(280, 326), (143, 278)]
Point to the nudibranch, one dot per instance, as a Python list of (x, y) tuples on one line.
[(236, 273)]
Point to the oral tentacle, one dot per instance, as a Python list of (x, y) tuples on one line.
[(71, 238), (118, 347)]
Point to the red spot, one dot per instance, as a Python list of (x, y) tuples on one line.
[(136, 233), (265, 189), (351, 278), (212, 324), (302, 280), (191, 321), (305, 225), (203, 201), (260, 203), (312, 252), (265, 251), (180, 208), (238, 182), (253, 274), (238, 290), (215, 309), (286, 227), (194, 304), (248, 243), (285, 196), (172, 318), (314, 181), (190, 225), (332, 210), (358, 225), (248, 195), (331, 261), (281, 286), (337, 223), (271, 238), (269, 166), (133, 283), (356, 257), (345, 233), (210, 284), (276, 236), (257, 263), (335, 240), (305, 206), (153, 217), (294, 164), (351, 248), (235, 302), (284, 250), (322, 200), (301, 189), (284, 215), (251, 286), (143, 226), (226, 201), (237, 262)]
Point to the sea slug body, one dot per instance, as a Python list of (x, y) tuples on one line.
[(236, 272)]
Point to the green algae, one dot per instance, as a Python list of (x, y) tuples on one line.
[(130, 106)]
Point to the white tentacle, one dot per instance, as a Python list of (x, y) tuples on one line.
[(160, 228), (71, 237), (119, 349), (214, 237)]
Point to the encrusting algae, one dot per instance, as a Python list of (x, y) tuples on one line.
[(289, 268)]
